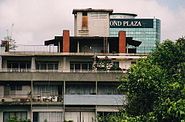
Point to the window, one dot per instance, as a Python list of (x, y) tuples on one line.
[(20, 115), (80, 66), (47, 117), (80, 88), (47, 65), (18, 66), (108, 88), (84, 21), (16, 87)]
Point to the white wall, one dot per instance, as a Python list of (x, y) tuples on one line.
[(98, 24), (125, 64)]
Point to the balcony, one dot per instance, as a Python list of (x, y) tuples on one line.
[(56, 75), (15, 99), (94, 99), (37, 99)]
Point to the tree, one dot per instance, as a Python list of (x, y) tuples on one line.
[(155, 86)]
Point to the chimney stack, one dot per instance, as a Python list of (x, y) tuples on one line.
[(66, 41), (122, 42)]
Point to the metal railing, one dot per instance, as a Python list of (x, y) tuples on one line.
[(27, 98), (55, 49), (35, 48), (66, 71)]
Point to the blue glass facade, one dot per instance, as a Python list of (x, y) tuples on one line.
[(148, 35)]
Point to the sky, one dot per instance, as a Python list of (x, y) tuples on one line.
[(31, 22)]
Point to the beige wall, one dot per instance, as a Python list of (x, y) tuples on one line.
[(98, 24)]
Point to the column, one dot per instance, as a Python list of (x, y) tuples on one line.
[(33, 65), (78, 47), (66, 41), (1, 62), (64, 64), (122, 42), (60, 66)]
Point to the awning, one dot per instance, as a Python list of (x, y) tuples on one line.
[(123, 57)]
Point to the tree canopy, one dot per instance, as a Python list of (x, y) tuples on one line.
[(155, 86)]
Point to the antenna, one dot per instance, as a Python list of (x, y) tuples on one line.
[(11, 31), (10, 42)]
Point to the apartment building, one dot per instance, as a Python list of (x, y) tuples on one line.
[(75, 83)]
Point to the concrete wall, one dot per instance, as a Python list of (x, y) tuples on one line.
[(98, 24), (61, 76)]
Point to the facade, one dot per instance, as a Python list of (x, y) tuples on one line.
[(145, 30), (75, 83)]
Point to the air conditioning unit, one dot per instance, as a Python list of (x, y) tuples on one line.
[(54, 99)]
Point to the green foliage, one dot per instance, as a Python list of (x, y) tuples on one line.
[(155, 86)]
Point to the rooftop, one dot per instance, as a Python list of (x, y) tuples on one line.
[(92, 10), (129, 14)]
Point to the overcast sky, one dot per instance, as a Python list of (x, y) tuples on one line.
[(38, 20)]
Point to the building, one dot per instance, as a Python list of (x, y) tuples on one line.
[(103, 22), (91, 22), (77, 82), (146, 30)]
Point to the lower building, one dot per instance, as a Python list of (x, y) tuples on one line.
[(75, 84)]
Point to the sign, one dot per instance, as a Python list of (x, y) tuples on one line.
[(131, 23)]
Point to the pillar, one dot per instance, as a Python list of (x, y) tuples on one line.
[(60, 66), (122, 42), (78, 47), (66, 41), (33, 65), (1, 62)]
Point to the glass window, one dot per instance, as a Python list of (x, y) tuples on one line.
[(20, 115), (16, 87)]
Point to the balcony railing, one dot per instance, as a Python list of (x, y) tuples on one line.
[(38, 99), (94, 99), (27, 99), (55, 49), (16, 99), (79, 71)]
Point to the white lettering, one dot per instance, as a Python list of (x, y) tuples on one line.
[(116, 23)]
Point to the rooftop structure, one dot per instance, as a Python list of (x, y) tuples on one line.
[(91, 22), (105, 23), (75, 11)]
